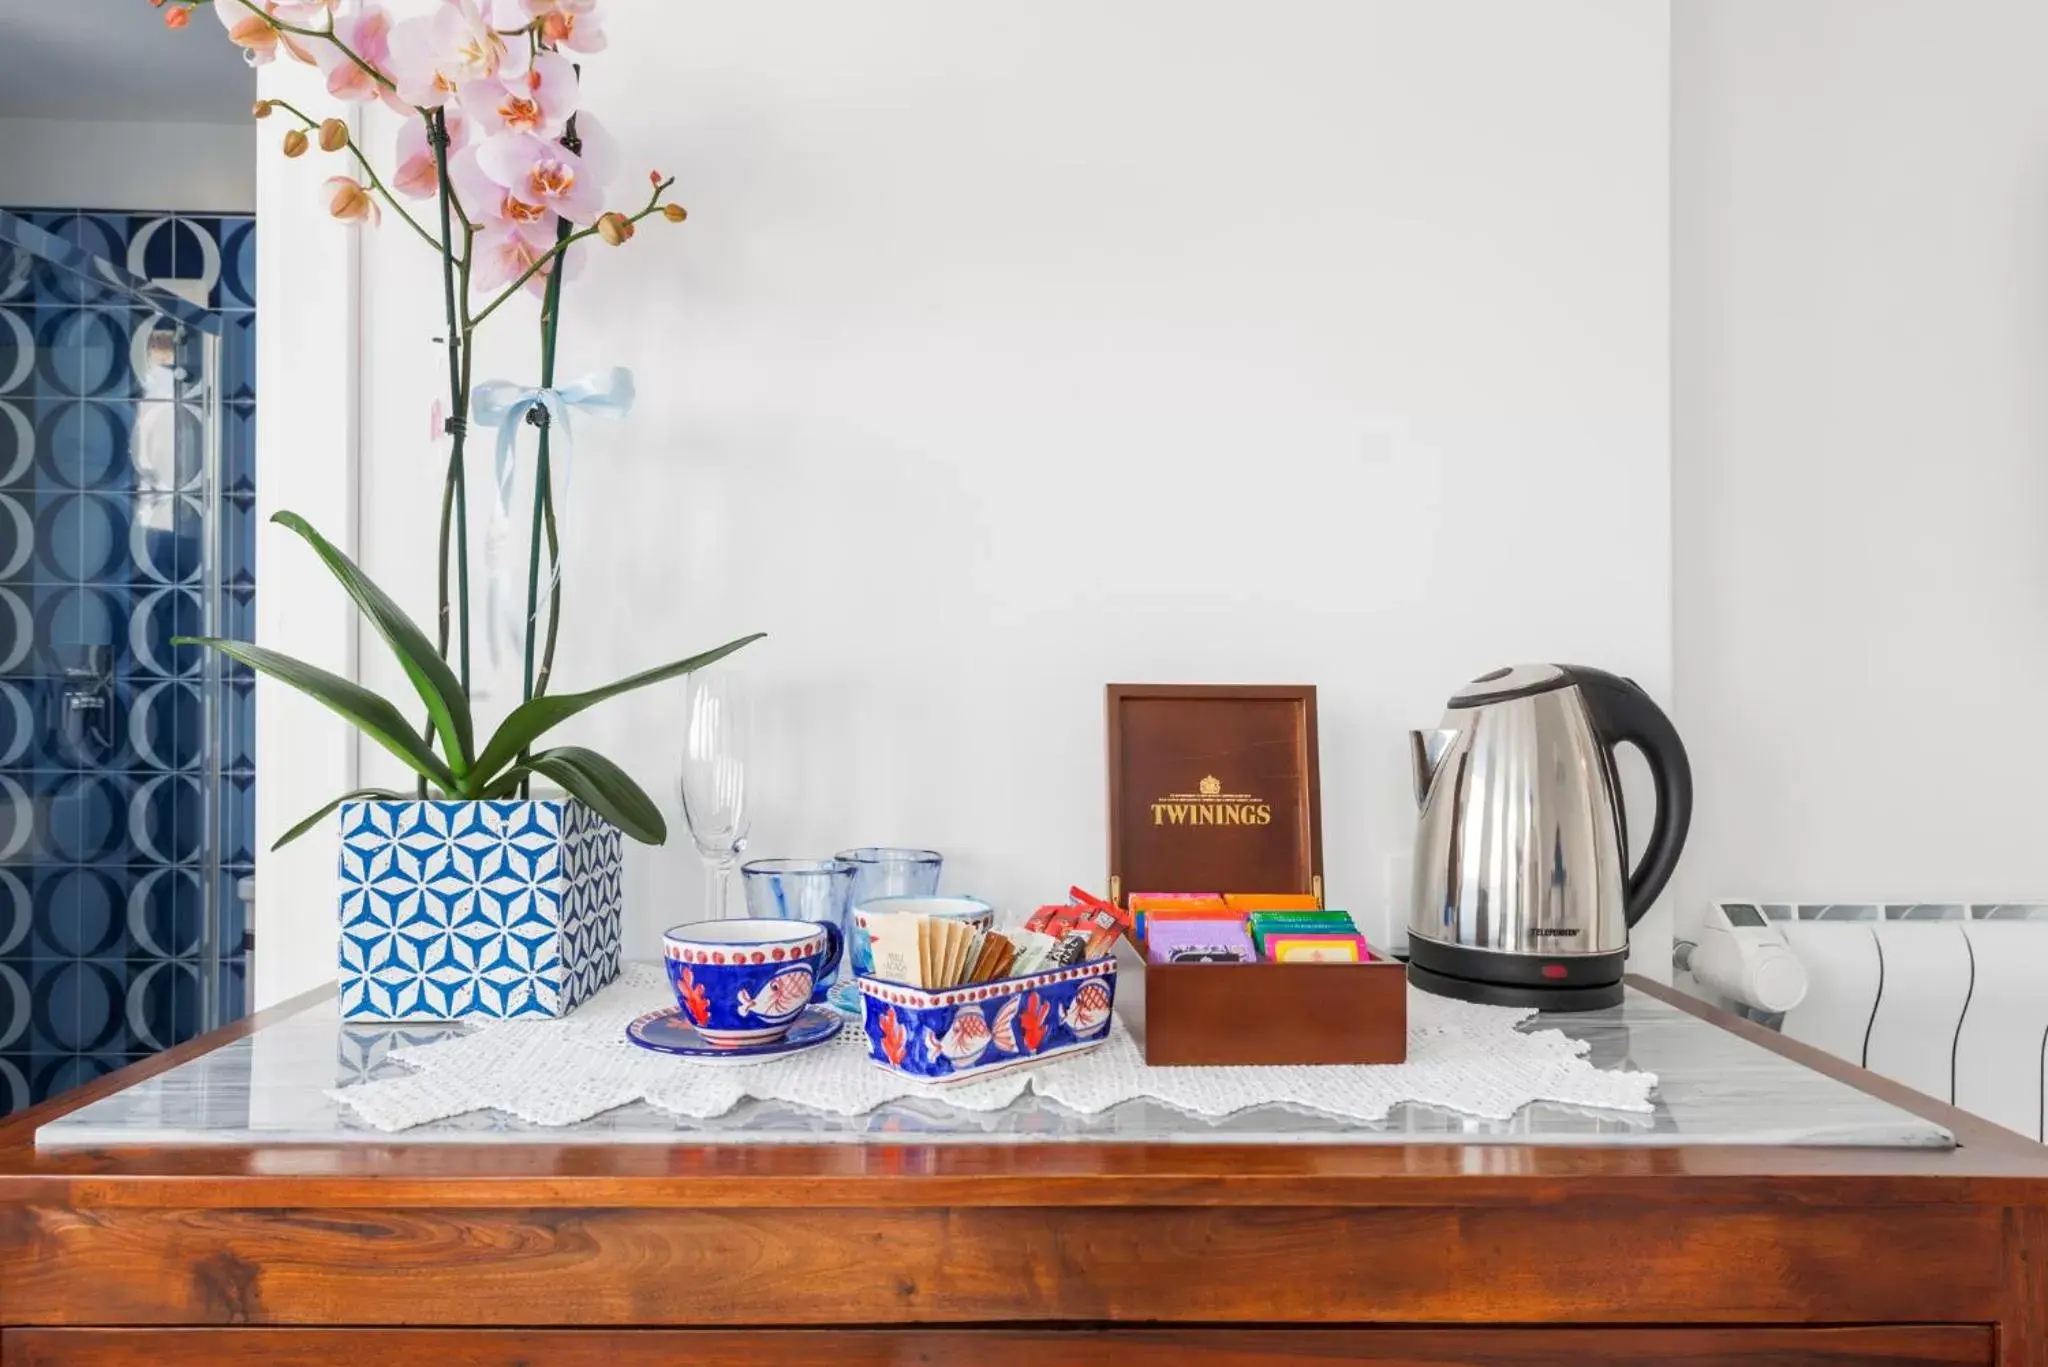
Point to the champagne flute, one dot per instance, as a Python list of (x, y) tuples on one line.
[(718, 729)]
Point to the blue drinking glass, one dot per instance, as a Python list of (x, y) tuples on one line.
[(806, 890), (886, 871)]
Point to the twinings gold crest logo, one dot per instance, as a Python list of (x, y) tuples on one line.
[(1209, 805)]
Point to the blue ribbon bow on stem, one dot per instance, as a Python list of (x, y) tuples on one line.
[(504, 405)]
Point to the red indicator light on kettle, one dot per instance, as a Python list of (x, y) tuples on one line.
[(1554, 970)]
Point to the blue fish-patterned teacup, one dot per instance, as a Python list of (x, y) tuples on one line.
[(745, 982)]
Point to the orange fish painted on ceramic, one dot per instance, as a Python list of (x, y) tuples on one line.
[(964, 1041), (1088, 1012), (785, 994)]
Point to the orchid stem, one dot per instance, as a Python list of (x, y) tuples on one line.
[(543, 482), (462, 469), (455, 497), (544, 504)]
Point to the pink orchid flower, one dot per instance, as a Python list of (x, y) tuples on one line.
[(544, 174), (417, 176), (259, 41), (513, 234), (434, 55), (579, 32), (504, 254), (538, 100), (572, 24), (490, 205), (367, 33)]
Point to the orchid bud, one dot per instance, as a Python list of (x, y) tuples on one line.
[(177, 18), (159, 4), (333, 135), (350, 201), (295, 143), (654, 179), (260, 110), (614, 229), (674, 213)]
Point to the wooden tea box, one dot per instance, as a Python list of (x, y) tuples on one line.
[(1214, 788)]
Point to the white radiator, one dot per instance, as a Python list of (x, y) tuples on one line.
[(1950, 999)]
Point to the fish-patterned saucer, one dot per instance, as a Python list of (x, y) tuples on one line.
[(668, 1031)]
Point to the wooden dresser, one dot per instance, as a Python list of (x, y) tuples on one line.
[(1134, 1254)]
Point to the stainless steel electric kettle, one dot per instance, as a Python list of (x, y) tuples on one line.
[(1521, 896)]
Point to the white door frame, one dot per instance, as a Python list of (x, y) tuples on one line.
[(308, 425)]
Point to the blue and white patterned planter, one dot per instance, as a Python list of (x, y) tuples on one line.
[(453, 910)]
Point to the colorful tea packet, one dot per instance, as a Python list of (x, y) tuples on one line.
[(1072, 949), (1178, 941), (1096, 921), (1054, 919), (1271, 901), (1265, 923), (1193, 911), (959, 941), (893, 946), (1034, 948), (992, 957), (1302, 919), (1179, 901), (1329, 916), (1283, 947), (1105, 921)]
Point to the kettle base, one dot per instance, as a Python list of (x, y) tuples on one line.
[(1572, 998)]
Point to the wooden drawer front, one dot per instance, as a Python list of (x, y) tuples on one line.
[(1874, 1346), (602, 1269)]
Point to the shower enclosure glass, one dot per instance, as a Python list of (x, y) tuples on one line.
[(124, 792)]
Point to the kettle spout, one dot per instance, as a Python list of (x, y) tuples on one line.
[(1426, 751)]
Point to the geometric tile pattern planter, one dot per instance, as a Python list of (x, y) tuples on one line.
[(484, 910)]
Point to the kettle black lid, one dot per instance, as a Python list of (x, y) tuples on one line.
[(1521, 681), (1515, 681)]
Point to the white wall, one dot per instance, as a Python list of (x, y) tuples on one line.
[(1860, 458), (85, 164), (1009, 353)]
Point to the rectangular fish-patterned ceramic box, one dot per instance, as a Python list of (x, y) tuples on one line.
[(956, 1033)]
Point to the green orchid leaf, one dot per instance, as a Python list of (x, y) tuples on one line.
[(604, 787), (530, 720), (439, 689), (316, 818), (369, 713)]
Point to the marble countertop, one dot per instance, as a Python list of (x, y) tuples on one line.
[(1715, 1088)]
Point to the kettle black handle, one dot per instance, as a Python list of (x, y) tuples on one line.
[(1622, 712)]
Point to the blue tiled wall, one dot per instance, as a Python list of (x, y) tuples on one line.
[(104, 812)]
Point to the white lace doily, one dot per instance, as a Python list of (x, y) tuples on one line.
[(1460, 1056)]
